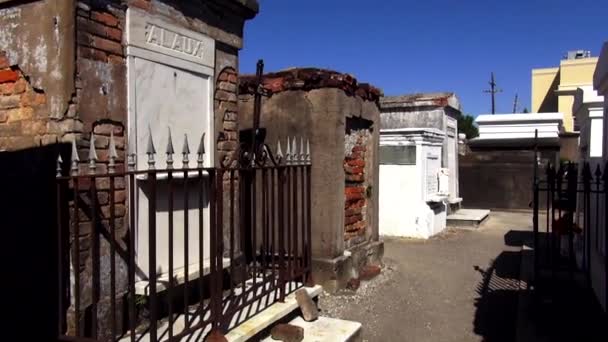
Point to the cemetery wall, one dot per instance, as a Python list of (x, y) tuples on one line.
[(507, 175), (328, 107)]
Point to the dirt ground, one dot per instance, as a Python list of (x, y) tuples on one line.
[(459, 286)]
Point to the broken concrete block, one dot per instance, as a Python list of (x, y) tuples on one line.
[(215, 336), (353, 284), (367, 272), (287, 333), (309, 309)]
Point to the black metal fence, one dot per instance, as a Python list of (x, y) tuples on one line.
[(569, 222), (194, 251)]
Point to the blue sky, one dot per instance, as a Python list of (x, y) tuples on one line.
[(412, 46)]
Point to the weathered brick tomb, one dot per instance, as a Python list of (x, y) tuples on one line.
[(341, 117), (71, 69)]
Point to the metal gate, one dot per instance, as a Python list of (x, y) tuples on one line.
[(218, 244), (569, 223)]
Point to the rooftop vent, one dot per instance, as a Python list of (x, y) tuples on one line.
[(578, 54)]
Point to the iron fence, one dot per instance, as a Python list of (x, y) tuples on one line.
[(194, 250), (569, 222)]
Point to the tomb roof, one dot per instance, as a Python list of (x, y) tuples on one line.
[(437, 99), (309, 79)]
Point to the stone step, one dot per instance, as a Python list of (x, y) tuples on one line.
[(467, 218), (326, 329)]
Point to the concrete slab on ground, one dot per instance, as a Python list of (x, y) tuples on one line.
[(467, 218), (327, 329)]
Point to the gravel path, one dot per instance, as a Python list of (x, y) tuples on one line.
[(458, 286)]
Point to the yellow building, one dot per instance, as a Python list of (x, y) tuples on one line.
[(553, 89)]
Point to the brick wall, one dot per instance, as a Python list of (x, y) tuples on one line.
[(24, 116), (226, 109), (355, 189)]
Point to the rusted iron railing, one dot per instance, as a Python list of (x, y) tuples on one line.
[(195, 250)]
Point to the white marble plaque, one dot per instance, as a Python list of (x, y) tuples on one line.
[(153, 34), (170, 83)]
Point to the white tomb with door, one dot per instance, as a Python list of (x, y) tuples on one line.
[(170, 88), (414, 188)]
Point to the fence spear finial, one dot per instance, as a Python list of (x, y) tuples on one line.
[(200, 152), (58, 167), (150, 150), (113, 155), (294, 150), (92, 155), (75, 159), (302, 152), (308, 151), (279, 152), (288, 153), (132, 156), (169, 150), (185, 152)]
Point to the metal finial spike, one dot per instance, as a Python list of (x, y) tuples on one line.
[(288, 152), (201, 145), (279, 151), (92, 155), (131, 161), (294, 150), (113, 154), (308, 150), (302, 152), (200, 153), (58, 168), (150, 150), (169, 149), (75, 158), (185, 152)]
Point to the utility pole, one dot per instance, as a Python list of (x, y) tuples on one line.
[(515, 104), (493, 90)]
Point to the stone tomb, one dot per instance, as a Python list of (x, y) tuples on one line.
[(341, 117), (170, 75), (413, 187)]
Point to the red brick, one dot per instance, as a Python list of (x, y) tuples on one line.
[(352, 219), (119, 210), (367, 272), (20, 86), (8, 76), (93, 54), (353, 190), (143, 4), (353, 196), (275, 85), (107, 45), (356, 162), (114, 34), (354, 178), (355, 226), (354, 204), (106, 128), (114, 59), (352, 211), (104, 17), (7, 88), (353, 284), (356, 170), (4, 62), (359, 149)]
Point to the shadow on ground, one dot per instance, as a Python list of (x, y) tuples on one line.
[(564, 310)]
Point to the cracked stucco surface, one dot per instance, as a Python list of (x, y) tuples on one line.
[(38, 37)]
